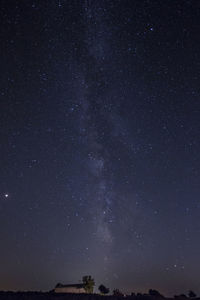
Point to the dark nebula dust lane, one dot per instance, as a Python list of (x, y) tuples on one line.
[(99, 144)]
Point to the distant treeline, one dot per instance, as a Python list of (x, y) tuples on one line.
[(55, 296)]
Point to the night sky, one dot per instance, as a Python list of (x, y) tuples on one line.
[(99, 144)]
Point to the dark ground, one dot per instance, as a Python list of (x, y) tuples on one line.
[(54, 296)]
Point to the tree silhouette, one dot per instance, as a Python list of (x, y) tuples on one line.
[(89, 283), (191, 294), (103, 290)]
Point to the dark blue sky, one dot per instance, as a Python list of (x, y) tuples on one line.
[(99, 144)]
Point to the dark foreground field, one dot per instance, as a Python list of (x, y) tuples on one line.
[(53, 296)]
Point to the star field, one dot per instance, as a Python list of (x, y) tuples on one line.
[(99, 144)]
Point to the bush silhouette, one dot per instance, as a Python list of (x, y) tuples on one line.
[(117, 293), (103, 290), (191, 294), (154, 293)]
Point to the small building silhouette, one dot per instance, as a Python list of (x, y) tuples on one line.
[(70, 288)]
